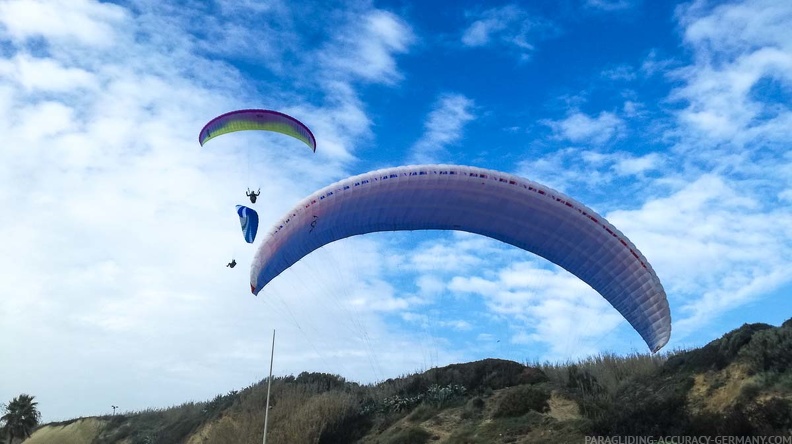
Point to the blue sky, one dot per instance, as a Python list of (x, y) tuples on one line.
[(671, 119)]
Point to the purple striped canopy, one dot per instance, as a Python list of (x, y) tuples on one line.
[(502, 206)]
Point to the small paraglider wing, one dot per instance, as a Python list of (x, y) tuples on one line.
[(257, 119), (249, 220), (508, 208)]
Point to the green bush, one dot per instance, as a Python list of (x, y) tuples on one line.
[(321, 382), (717, 354), (473, 408), (479, 375), (774, 380), (520, 400), (731, 422), (441, 396), (645, 406), (532, 375), (771, 417), (769, 350)]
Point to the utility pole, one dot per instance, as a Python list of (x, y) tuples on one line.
[(269, 385)]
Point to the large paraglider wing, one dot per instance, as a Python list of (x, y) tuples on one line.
[(249, 220), (494, 204), (257, 119)]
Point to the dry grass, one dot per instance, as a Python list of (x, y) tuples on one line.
[(78, 432), (717, 391), (298, 415), (562, 408), (609, 370)]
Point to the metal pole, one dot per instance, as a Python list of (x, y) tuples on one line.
[(269, 385)]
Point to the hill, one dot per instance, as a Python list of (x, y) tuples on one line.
[(738, 385)]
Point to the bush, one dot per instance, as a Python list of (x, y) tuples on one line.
[(774, 380), (769, 350), (441, 396), (731, 422), (520, 400), (771, 417), (479, 375), (321, 382), (532, 375), (473, 408), (717, 354), (398, 404), (645, 406)]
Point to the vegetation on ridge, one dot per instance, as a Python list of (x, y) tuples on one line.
[(736, 385)]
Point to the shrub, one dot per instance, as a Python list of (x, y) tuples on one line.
[(321, 382), (441, 396), (398, 404), (769, 350), (479, 375), (532, 375), (473, 408), (717, 354), (774, 380), (520, 400), (645, 406)]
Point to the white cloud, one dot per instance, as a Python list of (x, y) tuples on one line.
[(631, 108), (736, 47), (619, 73), (545, 306), (581, 128), (577, 170), (366, 48), (458, 325), (430, 285), (509, 26), (82, 21), (443, 126), (612, 5), (653, 64), (629, 166), (45, 75)]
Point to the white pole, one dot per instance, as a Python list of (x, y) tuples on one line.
[(269, 385)]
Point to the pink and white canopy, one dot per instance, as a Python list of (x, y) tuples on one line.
[(490, 203)]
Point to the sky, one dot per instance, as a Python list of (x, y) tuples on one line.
[(671, 119)]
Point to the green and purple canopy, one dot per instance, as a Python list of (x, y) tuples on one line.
[(257, 119)]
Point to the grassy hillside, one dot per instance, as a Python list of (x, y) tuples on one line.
[(739, 384)]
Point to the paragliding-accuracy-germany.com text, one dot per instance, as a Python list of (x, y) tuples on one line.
[(688, 440)]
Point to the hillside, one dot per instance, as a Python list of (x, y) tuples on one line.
[(736, 385)]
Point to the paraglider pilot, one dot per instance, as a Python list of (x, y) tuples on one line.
[(231, 264), (253, 195)]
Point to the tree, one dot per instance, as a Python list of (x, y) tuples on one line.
[(21, 417)]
